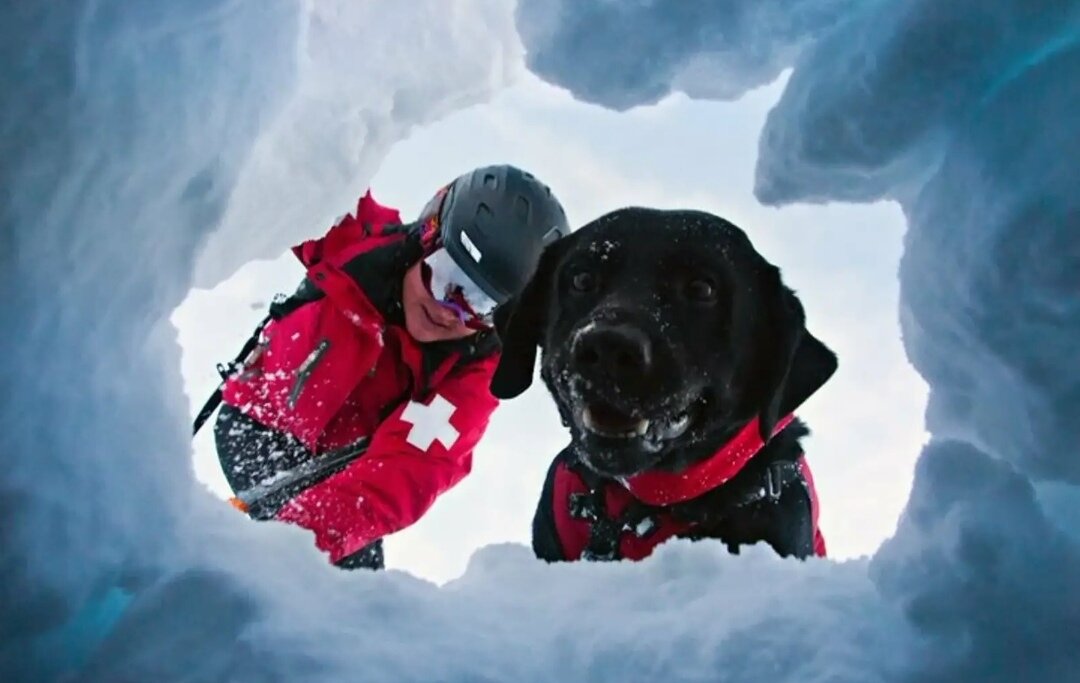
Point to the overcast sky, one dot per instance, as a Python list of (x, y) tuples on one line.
[(841, 259)]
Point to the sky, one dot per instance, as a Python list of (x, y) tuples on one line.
[(842, 259)]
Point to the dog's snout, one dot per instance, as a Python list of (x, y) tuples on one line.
[(619, 351)]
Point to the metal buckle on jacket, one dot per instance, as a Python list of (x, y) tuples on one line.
[(227, 370)]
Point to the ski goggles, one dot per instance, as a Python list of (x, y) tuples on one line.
[(455, 290)]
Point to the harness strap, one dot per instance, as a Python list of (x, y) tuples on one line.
[(280, 307), (227, 370), (776, 476), (305, 293), (605, 532), (640, 518)]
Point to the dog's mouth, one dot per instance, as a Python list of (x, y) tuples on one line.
[(635, 436), (618, 442), (619, 433), (608, 422), (604, 420)]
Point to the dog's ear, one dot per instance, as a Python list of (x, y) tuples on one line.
[(812, 366), (519, 323), (790, 363)]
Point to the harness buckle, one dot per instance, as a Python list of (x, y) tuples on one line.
[(774, 481), (584, 506), (227, 370), (643, 528)]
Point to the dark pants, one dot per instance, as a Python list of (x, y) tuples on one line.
[(251, 453)]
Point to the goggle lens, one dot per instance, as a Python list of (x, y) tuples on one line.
[(455, 290)]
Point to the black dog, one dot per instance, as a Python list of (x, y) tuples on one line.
[(676, 357)]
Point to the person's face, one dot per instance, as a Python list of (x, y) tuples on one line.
[(426, 319)]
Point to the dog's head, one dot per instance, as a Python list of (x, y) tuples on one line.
[(663, 333)]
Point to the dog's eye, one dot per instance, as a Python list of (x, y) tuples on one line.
[(583, 281), (701, 290)]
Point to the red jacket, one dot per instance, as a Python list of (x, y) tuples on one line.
[(341, 370)]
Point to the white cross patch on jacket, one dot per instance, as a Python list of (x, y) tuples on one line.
[(430, 423)]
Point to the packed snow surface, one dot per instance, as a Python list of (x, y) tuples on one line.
[(148, 147)]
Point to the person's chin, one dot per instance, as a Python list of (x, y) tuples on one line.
[(425, 332), (425, 328)]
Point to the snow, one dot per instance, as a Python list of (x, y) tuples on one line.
[(717, 50), (507, 619), (150, 147), (963, 113)]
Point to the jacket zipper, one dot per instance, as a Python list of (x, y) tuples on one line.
[(303, 373)]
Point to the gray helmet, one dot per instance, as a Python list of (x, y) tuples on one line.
[(495, 222)]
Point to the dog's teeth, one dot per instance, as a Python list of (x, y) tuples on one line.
[(641, 427)]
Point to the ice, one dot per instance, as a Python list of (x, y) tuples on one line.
[(718, 49), (149, 147), (963, 112)]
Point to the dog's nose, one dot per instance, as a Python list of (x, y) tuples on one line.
[(620, 351)]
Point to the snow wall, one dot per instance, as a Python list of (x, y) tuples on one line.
[(147, 147)]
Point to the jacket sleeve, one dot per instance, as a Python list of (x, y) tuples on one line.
[(416, 454)]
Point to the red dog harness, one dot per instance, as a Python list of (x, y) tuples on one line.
[(604, 519)]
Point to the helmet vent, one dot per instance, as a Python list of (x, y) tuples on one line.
[(521, 209), (490, 181)]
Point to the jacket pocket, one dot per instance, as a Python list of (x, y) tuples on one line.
[(303, 373)]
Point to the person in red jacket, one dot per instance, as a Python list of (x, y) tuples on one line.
[(369, 386)]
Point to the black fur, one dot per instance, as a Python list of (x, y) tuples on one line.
[(659, 314)]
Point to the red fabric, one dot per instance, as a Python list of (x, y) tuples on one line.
[(349, 233), (665, 488), (269, 390), (574, 533), (395, 482), (366, 366)]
